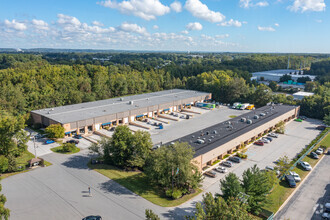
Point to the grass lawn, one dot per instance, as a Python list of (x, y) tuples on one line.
[(22, 161), (60, 150), (282, 191), (232, 116), (138, 183)]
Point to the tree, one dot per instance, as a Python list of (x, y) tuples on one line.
[(68, 147), (55, 131), (285, 78), (172, 164), (140, 149), (283, 164), (273, 85), (3, 164), (262, 95), (326, 119), (280, 127), (218, 208), (230, 186), (150, 215), (256, 186), (310, 86), (13, 138), (4, 212)]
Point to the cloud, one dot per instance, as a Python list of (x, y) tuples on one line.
[(145, 9), (15, 25), (200, 10), (185, 32), (155, 27), (194, 26), (222, 36), (231, 22), (97, 23), (307, 5), (67, 20), (133, 28), (318, 20), (271, 29), (40, 24), (276, 24), (176, 6), (250, 3)]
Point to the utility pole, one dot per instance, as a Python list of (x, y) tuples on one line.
[(34, 144)]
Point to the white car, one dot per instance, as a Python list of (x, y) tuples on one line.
[(273, 135), (306, 165), (319, 151), (182, 116), (326, 215), (295, 176), (221, 169), (265, 140)]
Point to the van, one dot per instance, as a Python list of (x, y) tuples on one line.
[(235, 159)]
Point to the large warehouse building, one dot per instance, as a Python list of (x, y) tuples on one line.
[(92, 116), (215, 142), (275, 75)]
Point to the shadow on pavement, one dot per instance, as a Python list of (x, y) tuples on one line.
[(321, 202), (77, 161), (179, 212), (114, 188)]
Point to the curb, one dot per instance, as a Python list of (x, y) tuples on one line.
[(296, 189)]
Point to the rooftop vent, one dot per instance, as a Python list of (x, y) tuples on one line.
[(48, 112), (243, 119), (256, 117), (131, 102), (121, 99), (249, 121)]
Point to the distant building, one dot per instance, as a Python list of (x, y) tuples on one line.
[(301, 95), (275, 75)]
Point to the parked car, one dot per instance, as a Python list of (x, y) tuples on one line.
[(314, 155), (38, 136), (306, 165), (93, 217), (271, 168), (259, 143), (319, 151), (327, 206), (49, 141), (182, 116), (227, 164), (78, 136), (291, 181), (321, 127), (303, 117), (73, 141), (295, 176), (273, 135), (326, 215), (221, 169), (298, 120), (176, 115), (265, 140), (235, 159), (210, 173), (269, 138)]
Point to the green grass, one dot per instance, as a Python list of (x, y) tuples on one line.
[(23, 161), (60, 150), (232, 116), (282, 191), (138, 183)]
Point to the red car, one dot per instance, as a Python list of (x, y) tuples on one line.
[(259, 143)]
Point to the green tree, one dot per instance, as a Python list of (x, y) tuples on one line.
[(13, 138), (326, 119), (140, 149), (150, 215), (285, 78), (68, 147), (262, 95), (230, 186), (3, 164), (256, 186), (310, 86), (283, 164), (280, 127), (4, 212), (172, 164), (11, 163), (217, 208), (55, 131), (273, 85)]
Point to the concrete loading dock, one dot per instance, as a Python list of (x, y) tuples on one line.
[(215, 142), (88, 117)]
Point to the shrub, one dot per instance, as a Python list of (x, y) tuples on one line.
[(215, 162), (227, 155), (177, 193), (3, 164), (68, 147)]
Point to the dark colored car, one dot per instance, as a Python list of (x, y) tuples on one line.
[(93, 217), (49, 141), (291, 181), (321, 127), (314, 155), (235, 159), (259, 143), (73, 141), (269, 138), (210, 173), (78, 136)]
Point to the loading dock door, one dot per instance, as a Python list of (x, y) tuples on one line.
[(97, 127)]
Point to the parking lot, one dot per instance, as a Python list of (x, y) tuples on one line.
[(308, 202)]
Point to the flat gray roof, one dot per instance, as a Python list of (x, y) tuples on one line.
[(223, 132), (83, 111)]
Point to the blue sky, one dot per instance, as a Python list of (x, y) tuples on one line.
[(180, 25)]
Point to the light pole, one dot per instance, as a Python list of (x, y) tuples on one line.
[(34, 144)]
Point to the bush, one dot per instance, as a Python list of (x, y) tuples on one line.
[(177, 193), (215, 162), (227, 155), (68, 147), (3, 164), (241, 155)]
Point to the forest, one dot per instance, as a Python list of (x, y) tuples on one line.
[(39, 80)]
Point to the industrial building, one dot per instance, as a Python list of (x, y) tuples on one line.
[(275, 75), (91, 116), (215, 142), (301, 95)]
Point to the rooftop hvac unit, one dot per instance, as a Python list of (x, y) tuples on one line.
[(256, 117), (121, 99), (200, 141), (249, 121), (131, 102), (243, 119)]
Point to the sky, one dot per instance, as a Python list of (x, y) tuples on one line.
[(283, 26)]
